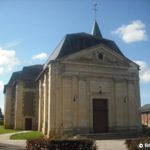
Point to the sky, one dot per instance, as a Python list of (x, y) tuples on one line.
[(31, 29)]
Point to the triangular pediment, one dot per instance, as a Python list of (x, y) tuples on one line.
[(100, 55)]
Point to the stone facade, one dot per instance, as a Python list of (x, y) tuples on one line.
[(67, 89)]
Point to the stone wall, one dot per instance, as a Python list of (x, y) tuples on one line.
[(26, 104)]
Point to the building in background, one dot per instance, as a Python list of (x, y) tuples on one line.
[(21, 99), (145, 115)]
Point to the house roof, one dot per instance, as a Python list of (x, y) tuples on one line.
[(145, 108)]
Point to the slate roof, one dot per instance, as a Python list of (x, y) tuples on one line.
[(76, 42), (145, 108), (96, 31), (15, 76), (31, 72), (27, 73)]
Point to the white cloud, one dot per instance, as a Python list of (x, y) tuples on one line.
[(1, 70), (1, 86), (133, 32), (40, 56), (144, 72), (12, 44), (8, 60)]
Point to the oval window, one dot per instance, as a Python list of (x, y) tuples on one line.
[(100, 56)]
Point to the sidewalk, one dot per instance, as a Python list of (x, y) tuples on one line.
[(7, 136), (7, 144), (116, 144)]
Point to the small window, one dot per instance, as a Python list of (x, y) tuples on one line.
[(100, 56)]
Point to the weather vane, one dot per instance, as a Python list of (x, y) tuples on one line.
[(95, 9)]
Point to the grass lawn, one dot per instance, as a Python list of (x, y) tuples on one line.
[(3, 130), (27, 135)]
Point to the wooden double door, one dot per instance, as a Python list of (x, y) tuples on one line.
[(100, 115)]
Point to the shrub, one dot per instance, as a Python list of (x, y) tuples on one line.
[(140, 143), (70, 144), (146, 131)]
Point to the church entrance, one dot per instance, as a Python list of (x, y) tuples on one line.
[(100, 115), (28, 124)]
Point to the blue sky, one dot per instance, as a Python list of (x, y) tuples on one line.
[(31, 29)]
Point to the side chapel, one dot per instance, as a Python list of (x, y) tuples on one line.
[(88, 86), (21, 99)]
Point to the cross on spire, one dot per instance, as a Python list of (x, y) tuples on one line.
[(95, 9)]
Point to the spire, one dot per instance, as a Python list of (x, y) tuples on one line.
[(96, 31)]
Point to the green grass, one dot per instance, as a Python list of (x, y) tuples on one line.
[(3, 130), (27, 135)]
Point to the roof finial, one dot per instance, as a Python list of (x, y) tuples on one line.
[(95, 9)]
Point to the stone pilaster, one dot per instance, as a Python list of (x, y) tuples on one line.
[(59, 103), (138, 120), (49, 100), (40, 107), (52, 100), (45, 108), (8, 123), (75, 99), (19, 118)]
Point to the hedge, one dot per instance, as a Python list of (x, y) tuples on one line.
[(71, 144), (138, 144)]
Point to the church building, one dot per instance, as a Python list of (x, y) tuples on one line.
[(88, 86)]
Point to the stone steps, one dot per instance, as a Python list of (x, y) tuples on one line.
[(104, 136)]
